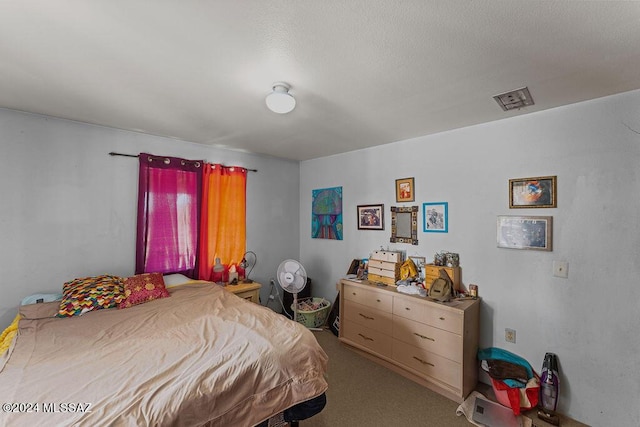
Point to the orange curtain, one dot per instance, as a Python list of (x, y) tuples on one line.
[(222, 220)]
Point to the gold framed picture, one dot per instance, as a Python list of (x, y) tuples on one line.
[(405, 190), (535, 192)]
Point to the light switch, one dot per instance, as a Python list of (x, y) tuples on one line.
[(561, 269)]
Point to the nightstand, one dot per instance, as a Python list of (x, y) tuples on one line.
[(248, 291)]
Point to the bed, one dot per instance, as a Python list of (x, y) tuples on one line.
[(201, 357)]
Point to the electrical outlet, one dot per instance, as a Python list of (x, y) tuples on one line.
[(510, 335)]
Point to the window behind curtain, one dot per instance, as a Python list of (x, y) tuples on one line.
[(223, 224), (169, 197)]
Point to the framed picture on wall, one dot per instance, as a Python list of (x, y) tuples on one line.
[(525, 232), (326, 213), (371, 217), (435, 217), (405, 190), (404, 224), (536, 192)]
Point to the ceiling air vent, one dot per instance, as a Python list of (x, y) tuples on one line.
[(514, 99)]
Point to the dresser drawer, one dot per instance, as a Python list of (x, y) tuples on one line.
[(390, 256), (384, 273), (429, 313), (374, 340), (448, 320), (369, 317), (378, 300), (385, 265), (434, 340), (430, 364), (374, 278), (252, 296)]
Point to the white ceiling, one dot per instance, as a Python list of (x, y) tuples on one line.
[(364, 72)]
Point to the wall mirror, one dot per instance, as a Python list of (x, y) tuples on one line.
[(404, 225)]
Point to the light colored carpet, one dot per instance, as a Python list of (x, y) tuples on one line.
[(364, 394)]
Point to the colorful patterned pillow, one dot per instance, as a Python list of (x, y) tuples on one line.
[(90, 293), (142, 288)]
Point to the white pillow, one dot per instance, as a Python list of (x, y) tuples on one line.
[(40, 298), (176, 279)]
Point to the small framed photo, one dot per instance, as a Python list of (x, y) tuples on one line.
[(419, 261), (371, 217), (405, 190), (435, 217), (536, 192), (525, 232)]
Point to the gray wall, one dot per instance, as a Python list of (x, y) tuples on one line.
[(591, 319), (68, 209)]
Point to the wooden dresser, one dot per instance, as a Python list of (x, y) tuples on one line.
[(432, 343)]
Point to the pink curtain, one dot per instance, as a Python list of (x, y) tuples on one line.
[(169, 197)]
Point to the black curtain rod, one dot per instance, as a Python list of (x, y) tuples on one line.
[(135, 155)]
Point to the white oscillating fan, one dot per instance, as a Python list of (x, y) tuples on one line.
[(292, 278)]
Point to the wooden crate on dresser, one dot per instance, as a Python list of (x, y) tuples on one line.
[(432, 272), (431, 343), (384, 267)]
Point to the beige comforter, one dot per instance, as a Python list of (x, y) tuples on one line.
[(201, 357)]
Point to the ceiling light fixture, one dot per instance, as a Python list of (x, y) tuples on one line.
[(280, 100)]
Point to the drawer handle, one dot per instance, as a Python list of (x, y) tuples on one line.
[(407, 308), (424, 362), (378, 300), (442, 318), (424, 338), (366, 338), (366, 317), (353, 293)]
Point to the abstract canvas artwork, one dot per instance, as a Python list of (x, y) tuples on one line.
[(326, 213)]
